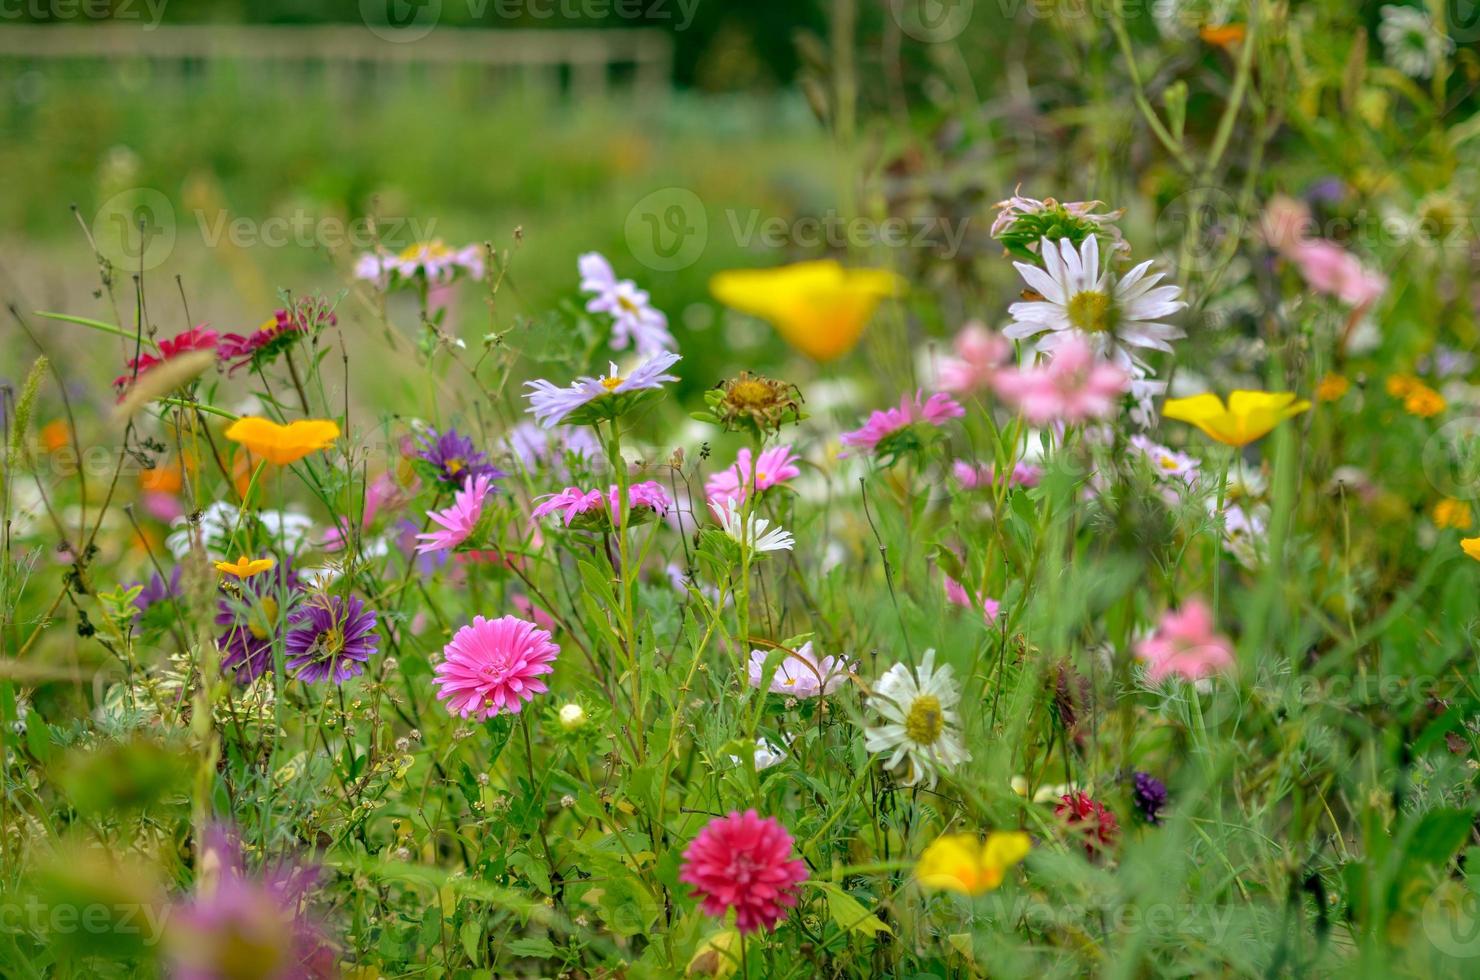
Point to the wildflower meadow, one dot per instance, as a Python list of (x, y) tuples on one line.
[(946, 491)]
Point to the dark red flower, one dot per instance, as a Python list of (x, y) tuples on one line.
[(1089, 820), (194, 339)]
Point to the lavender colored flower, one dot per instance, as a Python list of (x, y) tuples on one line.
[(239, 921), (156, 591), (251, 616), (453, 458), (590, 399), (332, 637), (1149, 794)]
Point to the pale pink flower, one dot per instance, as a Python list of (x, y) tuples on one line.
[(493, 666), (573, 502), (1328, 268), (957, 595), (774, 466), (459, 520), (1186, 644), (979, 353), (935, 410), (974, 476), (801, 673), (1073, 387)]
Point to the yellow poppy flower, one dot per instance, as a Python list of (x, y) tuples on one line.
[(1249, 414), (820, 308), (283, 444), (244, 567), (961, 863), (1471, 547), (1452, 513)]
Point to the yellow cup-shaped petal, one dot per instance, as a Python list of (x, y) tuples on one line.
[(960, 863), (820, 308), (1249, 415), (1471, 547), (283, 444)]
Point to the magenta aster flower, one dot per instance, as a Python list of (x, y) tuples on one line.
[(590, 399), (886, 433), (276, 335), (459, 520), (493, 666), (1073, 387), (594, 509), (1186, 644), (237, 919), (773, 467), (743, 862), (331, 637), (957, 595)]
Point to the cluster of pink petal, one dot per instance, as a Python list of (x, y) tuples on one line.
[(1331, 269), (1186, 644), (493, 666), (774, 466), (459, 520), (1073, 387), (972, 477), (572, 502), (743, 862), (979, 355), (957, 595), (194, 339), (935, 410)]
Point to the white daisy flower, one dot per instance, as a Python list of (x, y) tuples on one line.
[(921, 725), (1411, 42), (1114, 314), (753, 533), (767, 754)]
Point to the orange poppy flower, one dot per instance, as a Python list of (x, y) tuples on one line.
[(283, 444)]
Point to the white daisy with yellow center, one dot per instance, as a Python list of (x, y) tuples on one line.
[(921, 729)]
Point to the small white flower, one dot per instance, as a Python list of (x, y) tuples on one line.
[(766, 755), (572, 716), (1112, 314), (921, 725), (1411, 42), (753, 533)]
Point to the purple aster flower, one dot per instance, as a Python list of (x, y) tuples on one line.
[(155, 592), (251, 615), (235, 919), (454, 459), (551, 405), (1149, 795), (332, 636)]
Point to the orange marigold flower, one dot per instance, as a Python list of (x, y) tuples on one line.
[(1332, 387), (1452, 513), (1399, 385), (1423, 401)]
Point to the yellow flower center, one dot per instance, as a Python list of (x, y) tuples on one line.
[(611, 384), (925, 722), (331, 640), (626, 304), (261, 624), (749, 394), (760, 476), (1091, 311), (454, 466)]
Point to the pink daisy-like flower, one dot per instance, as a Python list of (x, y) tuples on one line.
[(972, 477), (744, 862), (1332, 270), (801, 673), (774, 466), (1073, 387), (1186, 644), (194, 339), (459, 520), (574, 504), (493, 666), (979, 353), (881, 425), (957, 595)]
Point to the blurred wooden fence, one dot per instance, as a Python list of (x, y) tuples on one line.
[(585, 64)]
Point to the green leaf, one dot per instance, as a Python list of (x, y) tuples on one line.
[(849, 913), (1439, 835), (471, 934), (538, 948)]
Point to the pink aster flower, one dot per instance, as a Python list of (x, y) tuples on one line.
[(459, 520), (744, 862), (774, 466), (801, 674), (972, 477), (493, 666), (1073, 387), (1186, 644), (1328, 268), (585, 507), (979, 353), (957, 595), (935, 410)]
